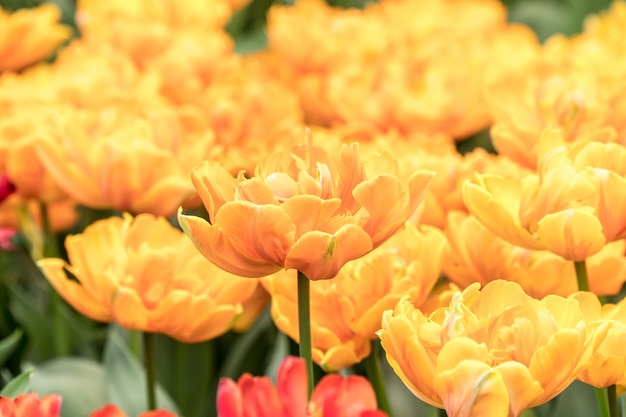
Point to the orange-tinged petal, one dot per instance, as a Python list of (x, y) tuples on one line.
[(68, 176), (310, 213), (164, 197), (214, 185), (72, 291), (217, 248), (418, 186), (261, 232), (320, 255), (385, 215), (573, 234), (494, 201)]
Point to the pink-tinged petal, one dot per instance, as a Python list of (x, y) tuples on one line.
[(229, 399), (214, 185), (341, 396), (260, 397), (321, 255), (73, 292), (573, 234), (217, 248), (260, 232), (291, 382), (495, 202), (108, 410)]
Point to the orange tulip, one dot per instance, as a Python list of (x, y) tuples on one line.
[(113, 411), (493, 352), (426, 89), (474, 254), (138, 166), (305, 209), (30, 405), (146, 275), (346, 311), (30, 35), (334, 395)]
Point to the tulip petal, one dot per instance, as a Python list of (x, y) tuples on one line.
[(217, 248), (494, 201), (472, 389), (261, 232), (214, 185), (310, 213), (320, 255), (573, 234), (73, 292), (387, 205), (229, 400), (523, 390), (291, 382)]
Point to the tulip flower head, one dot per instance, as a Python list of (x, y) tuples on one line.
[(493, 352), (30, 405), (306, 209), (111, 410), (334, 395), (572, 207), (346, 311), (146, 275)]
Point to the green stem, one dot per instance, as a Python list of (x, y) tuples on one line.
[(50, 243), (612, 394), (603, 402), (373, 369), (304, 326), (581, 275), (51, 250), (148, 355)]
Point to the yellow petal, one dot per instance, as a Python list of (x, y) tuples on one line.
[(573, 234), (73, 292), (495, 201), (472, 389)]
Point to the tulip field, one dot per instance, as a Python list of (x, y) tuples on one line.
[(312, 208)]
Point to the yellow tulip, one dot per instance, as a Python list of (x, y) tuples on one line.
[(346, 311), (607, 329), (146, 275), (30, 35), (572, 207), (307, 209), (495, 351), (474, 254)]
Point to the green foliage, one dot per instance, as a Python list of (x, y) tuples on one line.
[(19, 385)]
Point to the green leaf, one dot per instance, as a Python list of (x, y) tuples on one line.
[(125, 379), (18, 385), (35, 323), (80, 382), (186, 371), (8, 345)]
